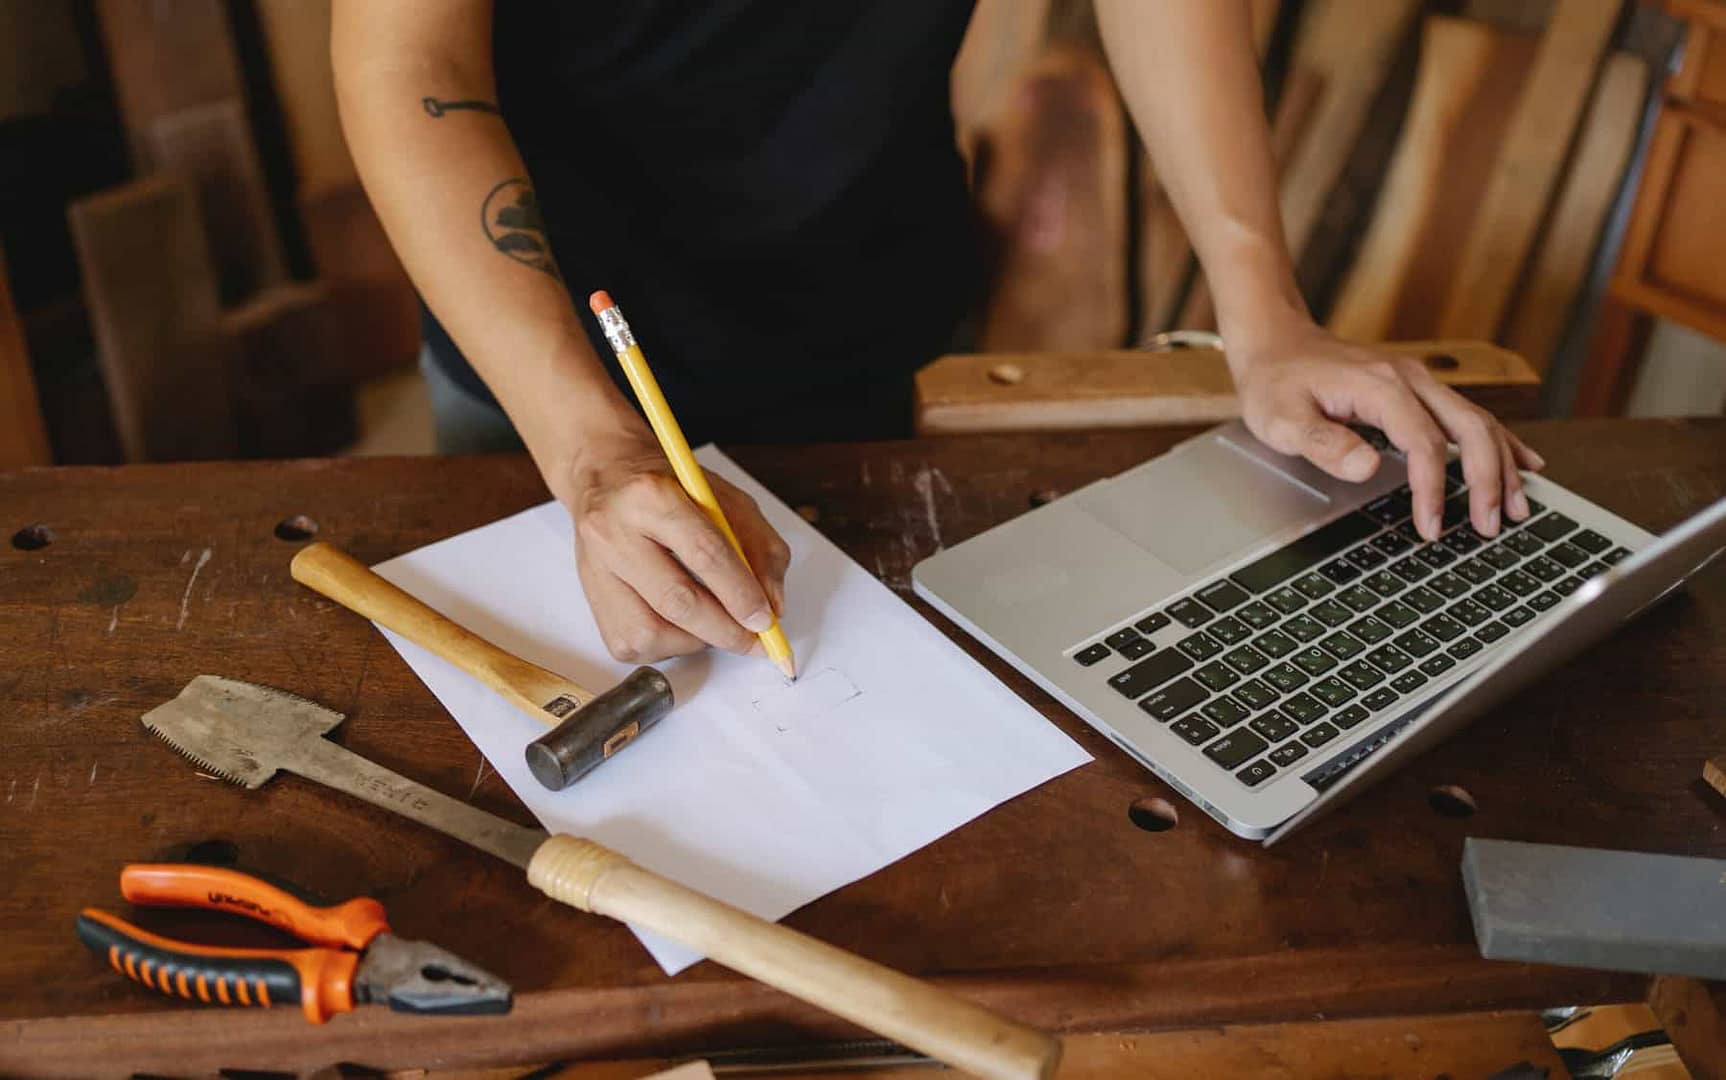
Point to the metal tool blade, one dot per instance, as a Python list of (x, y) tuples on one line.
[(415, 976), (245, 733)]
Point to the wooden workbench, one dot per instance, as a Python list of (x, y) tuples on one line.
[(1054, 908)]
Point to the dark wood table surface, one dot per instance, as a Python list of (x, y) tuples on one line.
[(1055, 907)]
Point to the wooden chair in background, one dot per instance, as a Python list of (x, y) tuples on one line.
[(23, 436)]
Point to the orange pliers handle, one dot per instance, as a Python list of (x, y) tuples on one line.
[(320, 979)]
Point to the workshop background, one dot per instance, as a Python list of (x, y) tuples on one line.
[(190, 269)]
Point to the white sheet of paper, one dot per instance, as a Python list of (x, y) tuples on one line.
[(762, 794)]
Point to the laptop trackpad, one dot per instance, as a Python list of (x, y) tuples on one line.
[(1202, 505)]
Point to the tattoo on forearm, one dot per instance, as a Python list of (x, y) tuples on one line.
[(512, 222), (435, 108)]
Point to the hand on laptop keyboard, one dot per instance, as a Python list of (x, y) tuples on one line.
[(1298, 397)]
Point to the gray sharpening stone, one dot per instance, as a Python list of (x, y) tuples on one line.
[(1581, 907)]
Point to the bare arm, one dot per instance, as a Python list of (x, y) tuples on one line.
[(1187, 72), (418, 101)]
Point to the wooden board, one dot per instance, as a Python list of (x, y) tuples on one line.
[(1054, 907), (1527, 167), (151, 294), (297, 35), (164, 57), (1469, 75), (1130, 388), (1054, 195), (1693, 1014), (23, 436)]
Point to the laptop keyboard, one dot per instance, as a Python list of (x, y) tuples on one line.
[(1278, 658)]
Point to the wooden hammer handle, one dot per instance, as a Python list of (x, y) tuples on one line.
[(590, 877), (352, 584)]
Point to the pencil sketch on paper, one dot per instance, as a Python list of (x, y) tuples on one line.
[(797, 702)]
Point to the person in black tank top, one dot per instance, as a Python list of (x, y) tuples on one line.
[(771, 190)]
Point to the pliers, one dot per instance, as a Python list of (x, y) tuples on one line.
[(355, 958)]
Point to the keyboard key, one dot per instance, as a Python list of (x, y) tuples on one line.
[(1333, 613), (1332, 691), (1590, 541), (1474, 572), (1233, 749), (1443, 627), (1274, 726), (1285, 677), (1397, 615), (1136, 648), (1121, 637), (1544, 569), (1389, 659), (1566, 586), (1455, 510), (1303, 628), (1437, 665), (1385, 583), (1391, 544), (1465, 648), (1494, 598), (1411, 570), (1408, 682), (1349, 717), (1257, 615), (1217, 675), (1362, 675), (1379, 698), (1462, 541), (1339, 572), (1568, 554), (1469, 613), (1319, 734), (1592, 570), (1342, 645), (1223, 712), (1500, 556), (1091, 654), (1174, 699), (1448, 585), (1517, 615), (1276, 644), (1615, 556), (1147, 675), (1288, 753), (1199, 646), (1222, 595), (1304, 554), (1524, 543), (1369, 630), (1303, 707), (1423, 600), (1552, 526), (1151, 623), (1256, 773), (1190, 612), (1195, 729), (1544, 601), (1255, 695), (1389, 509), (1312, 586), (1229, 630), (1246, 659), (1436, 556), (1416, 643), (1285, 600), (1356, 597), (1365, 558), (1314, 661), (1519, 583)]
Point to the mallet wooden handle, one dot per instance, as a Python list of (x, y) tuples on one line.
[(352, 584), (590, 877)]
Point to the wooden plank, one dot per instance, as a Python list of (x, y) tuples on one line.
[(1528, 166), (1592, 182), (1714, 772), (297, 36), (1055, 196), (1468, 73), (371, 300), (23, 435), (968, 393), (150, 290), (165, 57), (1693, 1014)]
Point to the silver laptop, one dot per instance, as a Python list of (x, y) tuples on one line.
[(1268, 639)]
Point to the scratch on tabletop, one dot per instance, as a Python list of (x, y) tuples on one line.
[(186, 597)]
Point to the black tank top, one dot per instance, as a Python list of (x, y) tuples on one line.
[(769, 188)]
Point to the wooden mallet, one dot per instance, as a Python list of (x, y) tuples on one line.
[(590, 727)]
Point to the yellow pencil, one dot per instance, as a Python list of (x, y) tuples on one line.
[(676, 448)]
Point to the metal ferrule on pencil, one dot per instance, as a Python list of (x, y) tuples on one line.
[(616, 328)]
